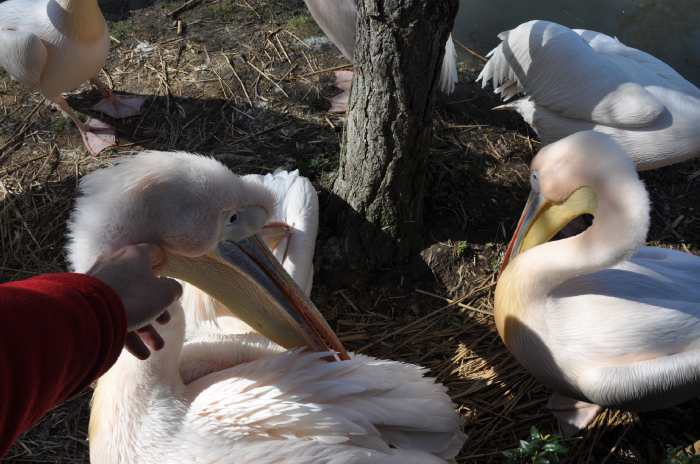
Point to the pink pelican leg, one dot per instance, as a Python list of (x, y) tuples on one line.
[(118, 107), (343, 81), (573, 415), (97, 135)]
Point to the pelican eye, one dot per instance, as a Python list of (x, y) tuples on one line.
[(234, 218), (534, 181)]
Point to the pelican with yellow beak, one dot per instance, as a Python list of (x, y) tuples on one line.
[(54, 46), (253, 401), (598, 317)]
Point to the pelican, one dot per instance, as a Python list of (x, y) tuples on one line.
[(598, 317), (337, 19), (293, 226), (576, 80), (53, 46), (232, 398)]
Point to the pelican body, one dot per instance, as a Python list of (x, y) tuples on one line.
[(577, 80), (54, 46), (231, 398), (599, 318)]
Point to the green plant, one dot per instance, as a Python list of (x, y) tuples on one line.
[(298, 21), (680, 455), (223, 9), (122, 30), (59, 124), (303, 24), (460, 248), (539, 449)]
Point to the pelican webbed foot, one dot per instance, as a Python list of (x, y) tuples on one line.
[(116, 106), (120, 107), (572, 415), (97, 135)]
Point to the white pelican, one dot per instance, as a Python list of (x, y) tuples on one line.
[(597, 317), (293, 225), (576, 80), (227, 398), (337, 19), (53, 46)]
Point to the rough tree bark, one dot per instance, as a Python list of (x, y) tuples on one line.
[(398, 56)]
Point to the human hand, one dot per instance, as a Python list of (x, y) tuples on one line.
[(129, 272)]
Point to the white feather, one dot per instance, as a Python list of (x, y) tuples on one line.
[(582, 80), (449, 75), (296, 204)]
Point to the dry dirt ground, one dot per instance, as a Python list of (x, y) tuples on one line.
[(240, 82)]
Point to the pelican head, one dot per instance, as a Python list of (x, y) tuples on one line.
[(566, 180), (205, 217)]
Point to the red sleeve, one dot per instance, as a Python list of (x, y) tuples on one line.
[(58, 333)]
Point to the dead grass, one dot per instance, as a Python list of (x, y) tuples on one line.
[(239, 83)]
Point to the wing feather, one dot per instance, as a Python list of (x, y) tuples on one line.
[(23, 55), (560, 71), (449, 75), (646, 307), (337, 20), (648, 70), (360, 403)]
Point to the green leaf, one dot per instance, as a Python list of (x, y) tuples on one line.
[(513, 456)]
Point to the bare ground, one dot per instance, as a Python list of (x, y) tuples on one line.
[(239, 83)]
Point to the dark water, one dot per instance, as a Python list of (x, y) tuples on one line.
[(668, 29)]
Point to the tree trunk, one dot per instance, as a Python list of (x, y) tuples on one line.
[(381, 180)]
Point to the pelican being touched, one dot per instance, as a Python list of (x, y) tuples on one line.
[(597, 317), (337, 19), (576, 80), (53, 46), (252, 402)]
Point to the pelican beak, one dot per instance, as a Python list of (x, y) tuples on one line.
[(541, 220), (245, 277)]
